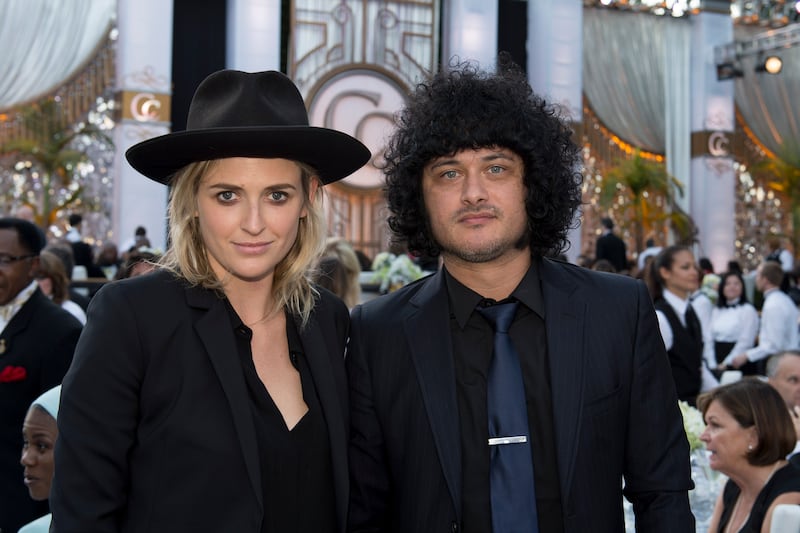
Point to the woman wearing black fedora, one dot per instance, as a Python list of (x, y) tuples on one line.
[(210, 395)]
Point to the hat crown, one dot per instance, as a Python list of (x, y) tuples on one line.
[(236, 99)]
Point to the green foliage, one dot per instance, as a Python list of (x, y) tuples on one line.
[(633, 185), (782, 175), (46, 144)]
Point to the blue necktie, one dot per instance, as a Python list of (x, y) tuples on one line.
[(511, 469)]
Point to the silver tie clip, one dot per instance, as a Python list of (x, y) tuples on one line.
[(521, 439)]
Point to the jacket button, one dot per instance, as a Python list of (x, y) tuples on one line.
[(454, 527)]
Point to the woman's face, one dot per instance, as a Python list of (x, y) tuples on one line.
[(683, 278), (726, 439), (249, 212), (39, 434), (732, 288), (45, 285)]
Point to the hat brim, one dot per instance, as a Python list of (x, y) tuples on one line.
[(335, 155)]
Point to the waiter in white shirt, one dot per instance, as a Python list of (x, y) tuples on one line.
[(779, 329)]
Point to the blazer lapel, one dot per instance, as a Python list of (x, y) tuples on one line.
[(427, 327), (564, 320), (215, 331), (324, 376)]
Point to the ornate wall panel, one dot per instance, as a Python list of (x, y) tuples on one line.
[(354, 61)]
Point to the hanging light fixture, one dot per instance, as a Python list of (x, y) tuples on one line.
[(771, 64)]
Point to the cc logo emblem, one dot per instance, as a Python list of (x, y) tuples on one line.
[(145, 107)]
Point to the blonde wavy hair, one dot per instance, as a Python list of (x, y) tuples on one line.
[(187, 256)]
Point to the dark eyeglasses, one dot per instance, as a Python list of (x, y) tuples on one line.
[(6, 260)]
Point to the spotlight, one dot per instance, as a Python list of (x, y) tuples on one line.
[(728, 71), (770, 65)]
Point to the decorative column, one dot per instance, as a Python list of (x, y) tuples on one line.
[(254, 35), (469, 31), (144, 64), (712, 187), (555, 65)]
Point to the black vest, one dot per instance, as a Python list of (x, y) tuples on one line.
[(685, 356)]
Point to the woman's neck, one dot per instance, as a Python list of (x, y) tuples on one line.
[(254, 303)]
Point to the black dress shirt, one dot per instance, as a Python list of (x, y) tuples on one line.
[(472, 338), (296, 470)]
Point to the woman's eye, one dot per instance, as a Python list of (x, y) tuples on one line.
[(226, 196), (278, 196), (42, 447)]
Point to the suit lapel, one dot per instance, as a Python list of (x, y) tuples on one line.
[(323, 374), (564, 322), (428, 327), (216, 333)]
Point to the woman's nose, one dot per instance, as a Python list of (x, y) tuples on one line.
[(27, 458)]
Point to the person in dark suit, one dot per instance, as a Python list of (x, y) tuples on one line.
[(610, 247), (37, 340), (210, 395), (483, 173)]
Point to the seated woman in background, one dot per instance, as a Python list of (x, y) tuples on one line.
[(39, 434), (138, 263), (54, 283), (339, 269), (734, 323), (749, 434)]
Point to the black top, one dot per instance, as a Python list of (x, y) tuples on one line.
[(685, 356), (786, 479), (296, 471), (472, 338)]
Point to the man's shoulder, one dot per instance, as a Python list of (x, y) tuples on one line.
[(389, 304), (55, 317), (584, 278)]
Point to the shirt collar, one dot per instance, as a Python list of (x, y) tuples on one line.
[(8, 311), (464, 300), (677, 303)]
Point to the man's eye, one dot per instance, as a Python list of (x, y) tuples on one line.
[(495, 169), (450, 174)]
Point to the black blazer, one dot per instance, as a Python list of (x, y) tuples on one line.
[(39, 339), (616, 412), (155, 424)]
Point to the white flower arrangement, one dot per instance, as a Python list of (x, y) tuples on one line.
[(393, 271), (693, 425)]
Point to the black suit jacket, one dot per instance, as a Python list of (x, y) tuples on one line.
[(156, 431), (611, 248), (40, 339), (616, 412)]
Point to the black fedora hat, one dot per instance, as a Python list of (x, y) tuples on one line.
[(243, 114)]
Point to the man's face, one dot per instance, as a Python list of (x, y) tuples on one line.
[(787, 380), (14, 275), (475, 201)]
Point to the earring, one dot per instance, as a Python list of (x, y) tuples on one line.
[(749, 447)]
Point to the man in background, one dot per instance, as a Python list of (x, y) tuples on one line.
[(778, 330), (37, 338), (610, 247)]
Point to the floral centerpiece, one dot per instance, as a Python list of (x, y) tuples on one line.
[(394, 271), (693, 425)]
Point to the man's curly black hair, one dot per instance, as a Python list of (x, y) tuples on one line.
[(465, 108)]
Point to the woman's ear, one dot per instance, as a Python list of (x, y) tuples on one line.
[(313, 186)]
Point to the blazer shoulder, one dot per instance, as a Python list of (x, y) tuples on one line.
[(56, 319), (394, 302), (577, 278)]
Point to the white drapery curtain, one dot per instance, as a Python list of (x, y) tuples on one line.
[(769, 103), (44, 42), (636, 78)]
